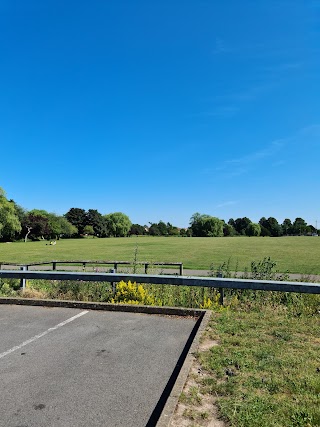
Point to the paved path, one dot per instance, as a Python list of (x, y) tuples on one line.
[(68, 367)]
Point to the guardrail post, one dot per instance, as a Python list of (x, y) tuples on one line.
[(115, 268), (84, 266), (181, 269), (54, 265), (113, 284), (146, 266), (23, 281), (221, 292)]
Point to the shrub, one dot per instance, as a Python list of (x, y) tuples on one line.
[(131, 293)]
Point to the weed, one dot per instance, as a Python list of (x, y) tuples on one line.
[(191, 397)]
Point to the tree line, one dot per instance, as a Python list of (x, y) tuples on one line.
[(208, 226), (16, 223)]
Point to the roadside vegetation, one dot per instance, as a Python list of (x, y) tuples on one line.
[(176, 296)]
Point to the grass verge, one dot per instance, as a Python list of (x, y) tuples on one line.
[(263, 371)]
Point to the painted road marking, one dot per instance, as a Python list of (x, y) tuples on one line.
[(36, 337)]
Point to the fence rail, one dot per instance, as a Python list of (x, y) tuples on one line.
[(212, 282), (85, 263)]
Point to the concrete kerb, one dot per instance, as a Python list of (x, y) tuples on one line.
[(87, 305), (172, 401)]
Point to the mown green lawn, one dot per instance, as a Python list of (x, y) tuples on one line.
[(262, 371), (296, 254)]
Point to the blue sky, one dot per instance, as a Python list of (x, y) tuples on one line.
[(160, 109)]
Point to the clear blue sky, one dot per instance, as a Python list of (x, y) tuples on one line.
[(160, 109)]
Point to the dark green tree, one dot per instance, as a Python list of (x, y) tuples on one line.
[(264, 231), (137, 229), (272, 225), (287, 227), (163, 228), (154, 230), (299, 226), (311, 229), (241, 225), (36, 226), (78, 218), (97, 221), (232, 223)]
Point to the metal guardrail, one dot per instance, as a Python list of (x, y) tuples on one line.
[(85, 263), (212, 282)]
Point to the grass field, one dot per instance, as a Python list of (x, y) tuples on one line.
[(295, 254), (262, 369)]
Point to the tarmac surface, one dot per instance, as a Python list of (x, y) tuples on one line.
[(79, 368)]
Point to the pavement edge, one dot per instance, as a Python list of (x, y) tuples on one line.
[(172, 401), (87, 305)]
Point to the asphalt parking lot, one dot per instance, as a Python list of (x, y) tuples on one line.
[(72, 367)]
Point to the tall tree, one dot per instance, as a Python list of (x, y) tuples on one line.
[(299, 226), (213, 227), (272, 225), (98, 222), (137, 229), (206, 226), (197, 224), (228, 230), (36, 226), (154, 230), (118, 224), (253, 229), (9, 220), (287, 227), (241, 225), (88, 229), (67, 229), (59, 226), (20, 211), (78, 218), (163, 228), (232, 223)]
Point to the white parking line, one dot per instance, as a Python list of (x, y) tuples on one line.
[(36, 337)]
